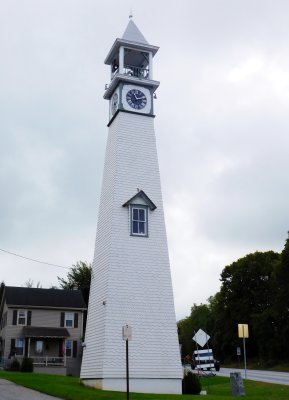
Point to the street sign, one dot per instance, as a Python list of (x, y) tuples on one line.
[(126, 332), (243, 331), (201, 338)]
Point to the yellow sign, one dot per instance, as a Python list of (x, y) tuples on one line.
[(243, 331)]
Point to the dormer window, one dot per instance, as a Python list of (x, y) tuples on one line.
[(139, 220), (139, 206)]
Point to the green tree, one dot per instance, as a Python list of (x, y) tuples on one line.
[(78, 277), (281, 307), (200, 318), (247, 296)]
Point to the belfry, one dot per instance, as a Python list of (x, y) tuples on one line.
[(131, 283)]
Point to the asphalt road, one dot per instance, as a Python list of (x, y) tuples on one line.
[(255, 375), (11, 391)]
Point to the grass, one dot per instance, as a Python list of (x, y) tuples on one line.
[(69, 388)]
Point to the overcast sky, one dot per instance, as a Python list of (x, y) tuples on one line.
[(222, 131)]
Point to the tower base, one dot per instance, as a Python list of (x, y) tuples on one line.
[(146, 385)]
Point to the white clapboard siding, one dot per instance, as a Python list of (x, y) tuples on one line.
[(131, 275)]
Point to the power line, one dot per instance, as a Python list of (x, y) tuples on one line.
[(32, 259)]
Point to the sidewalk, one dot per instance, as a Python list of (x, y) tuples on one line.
[(11, 391)]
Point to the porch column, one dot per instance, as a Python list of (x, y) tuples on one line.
[(28, 354), (64, 351)]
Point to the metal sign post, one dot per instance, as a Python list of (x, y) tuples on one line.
[(243, 332), (238, 354), (127, 335)]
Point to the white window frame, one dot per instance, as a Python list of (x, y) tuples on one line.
[(18, 341), (23, 317), (40, 349), (69, 319), (132, 220), (68, 341)]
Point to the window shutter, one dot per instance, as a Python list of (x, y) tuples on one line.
[(74, 349), (14, 322), (29, 315), (62, 316), (26, 344), (76, 320), (12, 349)]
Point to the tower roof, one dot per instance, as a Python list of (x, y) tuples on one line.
[(133, 34), (132, 38)]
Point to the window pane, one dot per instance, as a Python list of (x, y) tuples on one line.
[(39, 346), (69, 319), (134, 227), (135, 214), (139, 221), (21, 317), (68, 346), (19, 344), (141, 215), (142, 228)]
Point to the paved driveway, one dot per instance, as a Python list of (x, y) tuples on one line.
[(11, 391)]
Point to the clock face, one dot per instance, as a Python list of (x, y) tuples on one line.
[(136, 99), (114, 103)]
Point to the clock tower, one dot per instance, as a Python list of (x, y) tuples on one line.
[(131, 282)]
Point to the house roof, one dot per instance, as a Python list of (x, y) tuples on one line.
[(44, 332), (35, 297)]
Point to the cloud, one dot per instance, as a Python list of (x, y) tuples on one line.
[(221, 126)]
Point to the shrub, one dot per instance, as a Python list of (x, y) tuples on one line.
[(27, 365), (191, 383), (15, 365)]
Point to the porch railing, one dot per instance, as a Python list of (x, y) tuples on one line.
[(48, 361)]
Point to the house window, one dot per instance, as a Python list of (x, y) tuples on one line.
[(139, 220), (22, 317), (39, 346), (68, 348), (69, 320), (19, 347)]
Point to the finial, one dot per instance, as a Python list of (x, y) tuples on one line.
[(130, 14)]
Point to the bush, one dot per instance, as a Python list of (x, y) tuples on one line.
[(27, 365), (15, 365), (191, 383)]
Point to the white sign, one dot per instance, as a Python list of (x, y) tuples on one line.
[(126, 332), (201, 337)]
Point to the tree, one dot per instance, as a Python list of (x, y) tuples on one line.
[(30, 284), (281, 307), (200, 318), (247, 295), (79, 277)]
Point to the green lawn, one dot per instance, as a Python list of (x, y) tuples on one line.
[(68, 388)]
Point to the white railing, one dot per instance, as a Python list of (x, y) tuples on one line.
[(48, 361)]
